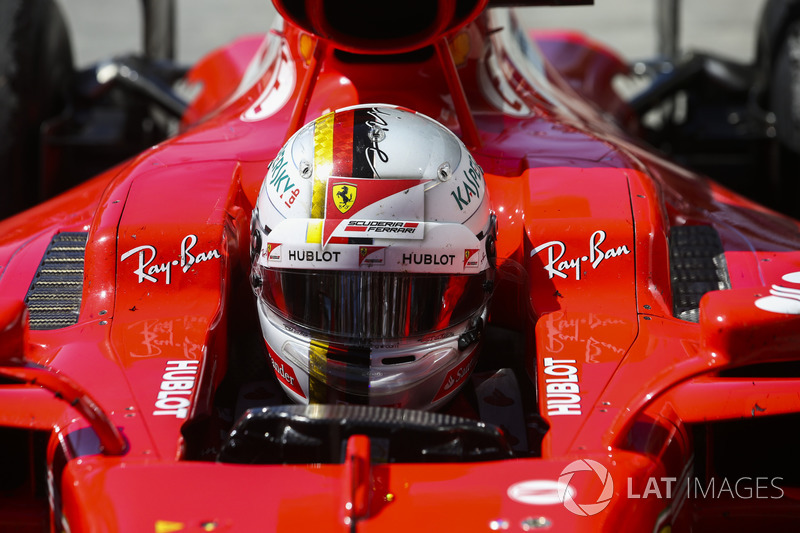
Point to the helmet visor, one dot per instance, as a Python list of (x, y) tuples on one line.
[(367, 306)]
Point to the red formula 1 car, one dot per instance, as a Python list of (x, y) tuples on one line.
[(403, 266)]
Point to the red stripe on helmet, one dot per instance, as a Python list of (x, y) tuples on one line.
[(343, 144)]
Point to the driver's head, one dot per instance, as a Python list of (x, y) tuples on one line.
[(373, 260)]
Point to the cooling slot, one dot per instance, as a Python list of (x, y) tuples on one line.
[(54, 297), (697, 265)]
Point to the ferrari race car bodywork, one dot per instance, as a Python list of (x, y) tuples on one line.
[(637, 372)]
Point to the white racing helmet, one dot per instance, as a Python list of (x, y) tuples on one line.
[(373, 260)]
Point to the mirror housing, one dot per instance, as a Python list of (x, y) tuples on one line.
[(735, 326), (13, 332), (13, 366), (738, 330)]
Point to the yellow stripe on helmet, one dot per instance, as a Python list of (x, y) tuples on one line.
[(314, 231), (323, 162), (317, 372)]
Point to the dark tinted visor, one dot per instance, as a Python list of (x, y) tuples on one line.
[(373, 305)]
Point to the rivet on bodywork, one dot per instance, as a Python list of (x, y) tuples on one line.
[(498, 525), (540, 522)]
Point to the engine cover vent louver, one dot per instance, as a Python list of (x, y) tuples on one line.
[(54, 297), (697, 265)]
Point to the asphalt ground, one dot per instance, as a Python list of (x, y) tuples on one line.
[(103, 28)]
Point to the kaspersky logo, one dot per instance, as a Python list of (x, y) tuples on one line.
[(567, 494)]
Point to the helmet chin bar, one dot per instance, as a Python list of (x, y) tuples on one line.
[(388, 372)]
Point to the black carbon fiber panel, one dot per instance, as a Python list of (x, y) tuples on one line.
[(54, 297), (295, 434), (697, 266)]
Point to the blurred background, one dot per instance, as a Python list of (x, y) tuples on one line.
[(731, 112), (104, 28)]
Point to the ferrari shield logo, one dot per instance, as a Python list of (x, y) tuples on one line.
[(344, 196)]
